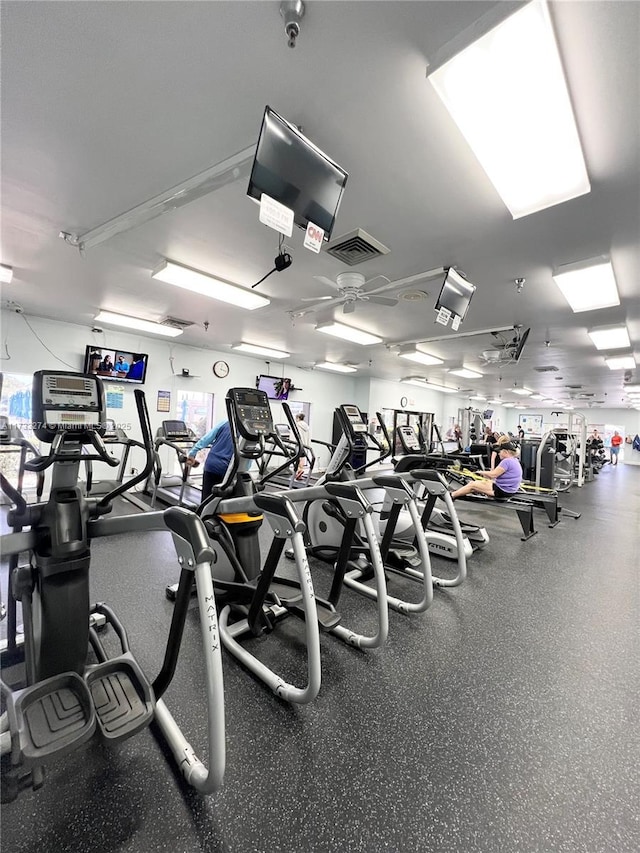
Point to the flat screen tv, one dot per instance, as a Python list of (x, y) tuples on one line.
[(275, 387), (116, 365), (519, 343), (455, 293), (293, 171)]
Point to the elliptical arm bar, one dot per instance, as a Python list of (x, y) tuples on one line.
[(13, 494)]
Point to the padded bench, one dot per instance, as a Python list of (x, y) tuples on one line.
[(523, 509)]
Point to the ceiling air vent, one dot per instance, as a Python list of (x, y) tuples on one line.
[(176, 323), (548, 368), (355, 248)]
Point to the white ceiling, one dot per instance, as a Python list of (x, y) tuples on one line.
[(105, 105)]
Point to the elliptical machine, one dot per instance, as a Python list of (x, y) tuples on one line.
[(254, 599), (66, 699)]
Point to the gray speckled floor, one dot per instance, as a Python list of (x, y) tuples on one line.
[(504, 719)]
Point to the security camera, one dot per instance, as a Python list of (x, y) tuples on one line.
[(97, 330), (292, 11), (627, 375)]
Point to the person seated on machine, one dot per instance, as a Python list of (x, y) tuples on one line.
[(501, 482)]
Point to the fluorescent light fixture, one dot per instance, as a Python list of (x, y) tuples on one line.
[(135, 323), (536, 397), (478, 397), (6, 274), (415, 380), (415, 354), (548, 400), (521, 407), (496, 402), (255, 349), (511, 80), (208, 285), (509, 405), (621, 362), (588, 285), (435, 387), (348, 333), (633, 390), (523, 392), (338, 368), (610, 337), (466, 373)]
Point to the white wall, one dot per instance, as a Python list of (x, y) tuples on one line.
[(323, 390), (628, 419)]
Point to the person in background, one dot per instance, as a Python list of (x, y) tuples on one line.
[(106, 365), (616, 441), (136, 371), (122, 366), (215, 467), (305, 438), (520, 433), (500, 482)]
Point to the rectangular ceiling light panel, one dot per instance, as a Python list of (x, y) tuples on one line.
[(623, 362), (135, 323), (348, 333), (420, 357), (588, 285), (508, 95), (255, 349), (207, 285), (338, 368), (466, 373), (610, 337)]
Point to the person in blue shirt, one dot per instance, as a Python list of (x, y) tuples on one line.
[(136, 371), (122, 366), (221, 443)]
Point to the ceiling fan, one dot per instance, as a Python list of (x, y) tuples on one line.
[(350, 291), (350, 287)]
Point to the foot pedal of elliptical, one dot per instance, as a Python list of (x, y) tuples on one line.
[(50, 718), (122, 697)]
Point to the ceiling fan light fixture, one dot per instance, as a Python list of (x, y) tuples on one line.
[(588, 285), (124, 321), (348, 333), (191, 279)]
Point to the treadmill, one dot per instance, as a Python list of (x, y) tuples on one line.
[(114, 435), (181, 489)]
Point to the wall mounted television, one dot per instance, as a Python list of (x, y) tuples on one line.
[(116, 365), (292, 170), (275, 387), (455, 293)]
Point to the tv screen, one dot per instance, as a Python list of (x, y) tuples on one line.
[(487, 414), (289, 168), (455, 294), (519, 344), (275, 387), (116, 365)]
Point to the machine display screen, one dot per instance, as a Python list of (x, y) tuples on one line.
[(66, 383), (251, 398)]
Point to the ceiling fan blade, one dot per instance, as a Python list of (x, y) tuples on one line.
[(328, 281), (315, 298), (410, 279), (349, 308), (383, 300)]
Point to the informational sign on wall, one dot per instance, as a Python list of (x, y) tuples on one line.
[(531, 424), (164, 401), (115, 397)]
